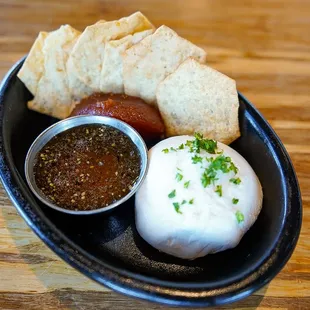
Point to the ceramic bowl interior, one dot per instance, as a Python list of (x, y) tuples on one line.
[(108, 249)]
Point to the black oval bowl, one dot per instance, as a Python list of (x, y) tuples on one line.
[(108, 249)]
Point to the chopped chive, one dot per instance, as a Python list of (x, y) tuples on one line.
[(208, 177), (196, 159), (186, 184), (183, 202), (219, 190), (191, 201), (239, 216), (209, 146), (177, 207), (221, 163), (235, 201), (236, 181), (172, 194), (165, 151), (181, 147), (198, 135), (189, 143), (179, 177), (233, 168)]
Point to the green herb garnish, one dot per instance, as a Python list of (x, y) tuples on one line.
[(198, 136), (179, 177), (189, 143), (191, 201), (208, 145), (177, 207), (236, 181), (186, 184), (239, 216), (219, 190), (173, 149), (233, 168), (235, 201), (183, 202), (165, 151), (181, 147), (220, 162), (196, 159), (199, 143), (172, 194), (179, 169), (208, 177)]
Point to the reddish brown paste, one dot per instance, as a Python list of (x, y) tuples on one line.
[(87, 167), (132, 110)]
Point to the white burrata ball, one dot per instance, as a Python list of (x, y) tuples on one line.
[(194, 220)]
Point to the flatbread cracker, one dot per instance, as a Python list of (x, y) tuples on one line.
[(53, 95), (147, 63), (197, 98), (77, 84), (88, 53), (32, 69), (111, 80)]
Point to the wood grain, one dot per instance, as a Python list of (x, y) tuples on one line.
[(264, 45)]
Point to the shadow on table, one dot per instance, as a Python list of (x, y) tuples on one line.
[(55, 285)]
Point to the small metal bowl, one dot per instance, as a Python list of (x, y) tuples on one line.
[(76, 121)]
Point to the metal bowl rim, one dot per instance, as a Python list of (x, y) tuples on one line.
[(73, 122)]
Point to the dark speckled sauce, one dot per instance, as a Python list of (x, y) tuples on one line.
[(87, 167)]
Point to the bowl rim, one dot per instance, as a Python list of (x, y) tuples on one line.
[(139, 286), (73, 122)]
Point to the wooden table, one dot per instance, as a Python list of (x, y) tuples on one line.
[(264, 45)]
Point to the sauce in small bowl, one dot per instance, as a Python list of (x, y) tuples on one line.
[(86, 164)]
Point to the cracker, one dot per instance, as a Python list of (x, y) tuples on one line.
[(88, 54), (32, 69), (111, 80), (197, 98), (147, 63), (53, 95)]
